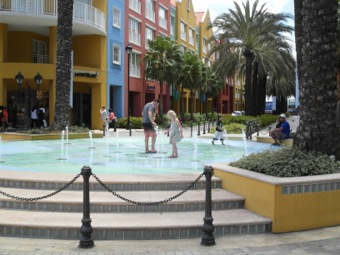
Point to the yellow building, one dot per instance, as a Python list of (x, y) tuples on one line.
[(28, 36), (192, 35)]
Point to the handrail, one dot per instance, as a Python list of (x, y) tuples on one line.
[(81, 11)]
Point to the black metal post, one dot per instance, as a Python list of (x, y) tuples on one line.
[(86, 240), (198, 128), (208, 125), (190, 128), (104, 127), (203, 126), (129, 49), (208, 238)]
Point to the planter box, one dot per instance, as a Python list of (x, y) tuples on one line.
[(293, 204), (21, 136)]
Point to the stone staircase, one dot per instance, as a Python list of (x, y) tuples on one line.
[(59, 216)]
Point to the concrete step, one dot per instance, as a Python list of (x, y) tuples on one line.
[(59, 216), (105, 202), (55, 181), (115, 226)]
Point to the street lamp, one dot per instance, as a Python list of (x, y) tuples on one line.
[(38, 79), (128, 50), (19, 78)]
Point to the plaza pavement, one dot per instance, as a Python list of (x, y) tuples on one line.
[(325, 241)]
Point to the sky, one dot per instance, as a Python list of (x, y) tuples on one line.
[(217, 7)]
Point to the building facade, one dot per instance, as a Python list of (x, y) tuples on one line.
[(104, 73)]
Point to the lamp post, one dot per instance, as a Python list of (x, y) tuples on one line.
[(38, 79), (128, 50)]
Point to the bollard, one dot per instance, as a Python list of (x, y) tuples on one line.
[(198, 128), (204, 126), (130, 129), (86, 240), (208, 125), (104, 128), (208, 238), (190, 128)]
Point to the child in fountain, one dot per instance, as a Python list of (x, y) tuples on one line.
[(219, 131), (175, 132)]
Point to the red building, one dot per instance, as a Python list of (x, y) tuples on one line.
[(144, 19)]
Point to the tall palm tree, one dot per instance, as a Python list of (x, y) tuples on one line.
[(162, 60), (191, 75), (63, 72), (246, 30), (318, 129)]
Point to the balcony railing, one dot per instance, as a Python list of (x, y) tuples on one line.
[(81, 11), (37, 58)]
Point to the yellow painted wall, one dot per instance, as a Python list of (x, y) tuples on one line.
[(289, 212), (20, 48), (83, 56)]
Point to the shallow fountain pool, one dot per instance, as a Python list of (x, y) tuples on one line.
[(119, 155)]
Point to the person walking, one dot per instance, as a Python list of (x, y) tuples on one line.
[(219, 131), (34, 118), (4, 119), (103, 117), (175, 132), (112, 120), (149, 125)]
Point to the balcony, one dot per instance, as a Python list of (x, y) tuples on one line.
[(38, 15)]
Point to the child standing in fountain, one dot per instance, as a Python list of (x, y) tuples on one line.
[(219, 131), (175, 132)]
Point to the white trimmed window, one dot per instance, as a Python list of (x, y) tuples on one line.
[(149, 35), (135, 60), (116, 54), (116, 17), (183, 30)]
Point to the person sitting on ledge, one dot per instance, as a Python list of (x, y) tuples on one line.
[(281, 131)]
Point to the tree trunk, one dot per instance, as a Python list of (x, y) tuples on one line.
[(262, 93), (254, 90), (63, 72), (247, 95), (318, 130)]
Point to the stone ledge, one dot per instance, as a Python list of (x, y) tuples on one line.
[(293, 204), (31, 137)]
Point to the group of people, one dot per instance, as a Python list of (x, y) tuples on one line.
[(38, 117), (175, 131), (108, 119)]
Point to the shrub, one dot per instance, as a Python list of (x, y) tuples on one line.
[(288, 162)]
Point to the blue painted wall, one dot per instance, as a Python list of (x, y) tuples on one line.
[(115, 74)]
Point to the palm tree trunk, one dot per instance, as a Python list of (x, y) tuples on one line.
[(318, 130), (248, 99), (63, 72), (254, 90)]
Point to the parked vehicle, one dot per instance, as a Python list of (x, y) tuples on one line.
[(236, 113)]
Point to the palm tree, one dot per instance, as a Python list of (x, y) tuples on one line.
[(162, 60), (318, 129), (191, 75), (63, 72), (245, 32)]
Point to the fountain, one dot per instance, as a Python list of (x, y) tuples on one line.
[(91, 140), (67, 142), (62, 146), (226, 137), (120, 155), (245, 142)]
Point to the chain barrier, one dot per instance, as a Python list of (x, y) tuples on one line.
[(147, 203), (42, 197)]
